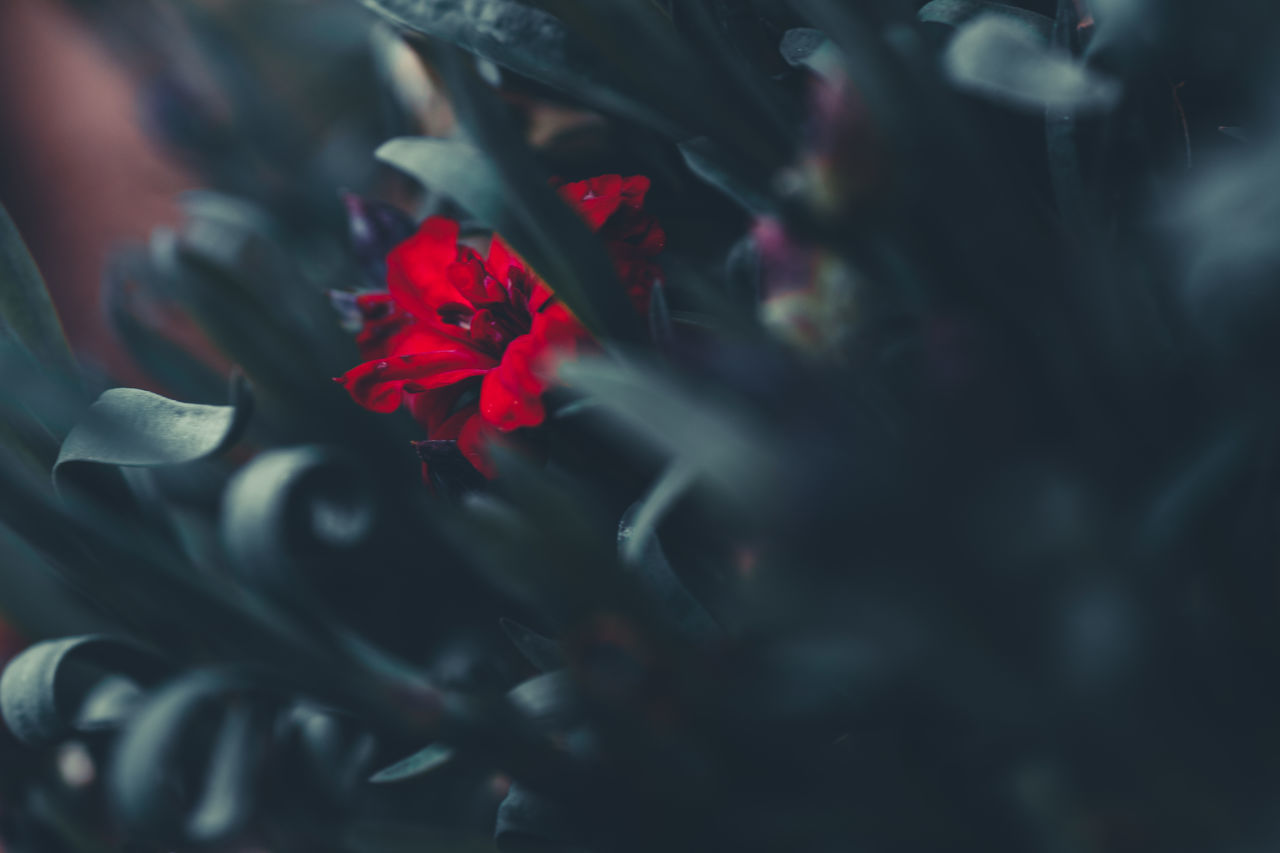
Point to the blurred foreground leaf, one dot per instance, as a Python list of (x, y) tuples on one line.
[(1002, 59), (25, 306)]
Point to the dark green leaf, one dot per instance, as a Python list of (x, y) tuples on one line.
[(25, 307), (549, 700), (645, 561), (542, 652), (293, 510), (803, 46), (166, 361), (688, 425), (728, 174), (135, 428), (527, 41), (681, 76), (419, 764), (529, 823), (228, 798), (954, 13), (451, 167), (158, 747), (51, 689)]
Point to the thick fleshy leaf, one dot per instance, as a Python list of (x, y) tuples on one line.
[(452, 167), (999, 59), (158, 744), (296, 509), (59, 687), (25, 307), (134, 428)]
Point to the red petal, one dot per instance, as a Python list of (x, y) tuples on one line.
[(472, 442), (378, 385), (511, 396), (453, 425), (557, 325), (486, 332), (433, 408), (634, 190), (416, 269), (542, 294), (501, 259), (469, 277), (596, 199)]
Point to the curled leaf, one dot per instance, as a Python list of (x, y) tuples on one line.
[(129, 427), (295, 508), (160, 746), (76, 684)]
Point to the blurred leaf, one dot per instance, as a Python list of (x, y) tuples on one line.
[(165, 360), (549, 701), (334, 749), (1002, 60), (131, 427), (644, 560), (25, 307), (529, 823), (451, 167), (685, 78), (954, 13), (158, 745), (712, 439), (805, 47), (527, 41), (293, 513), (228, 800), (47, 692), (542, 652), (733, 178), (419, 764)]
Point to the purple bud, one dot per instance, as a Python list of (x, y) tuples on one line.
[(376, 229)]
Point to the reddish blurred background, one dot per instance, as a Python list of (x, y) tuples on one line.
[(76, 172)]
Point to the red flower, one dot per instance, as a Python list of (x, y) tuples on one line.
[(468, 343)]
